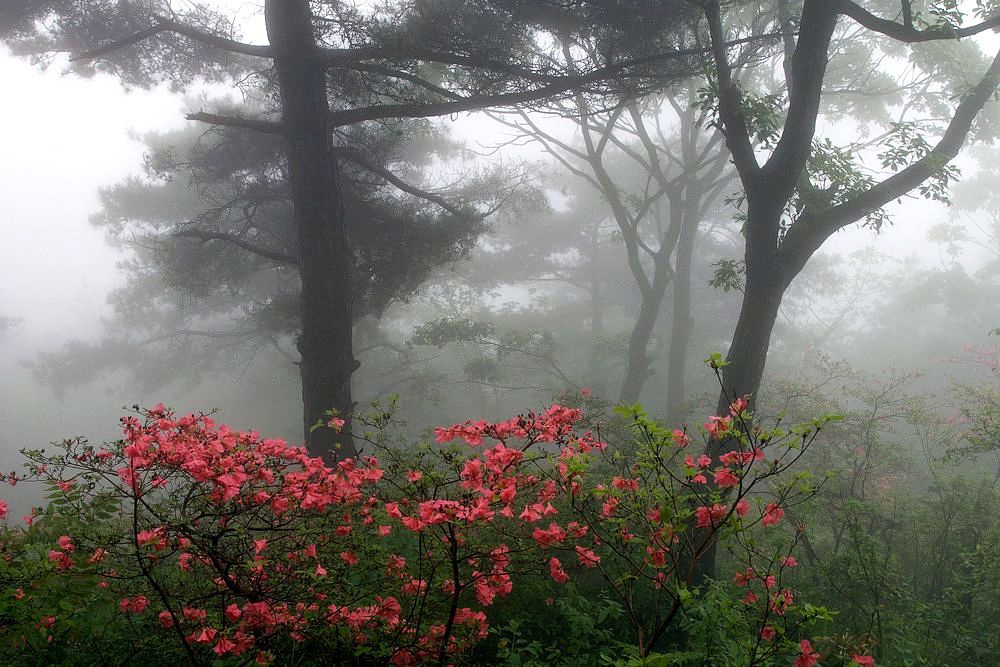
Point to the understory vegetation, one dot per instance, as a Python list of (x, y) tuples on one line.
[(570, 536)]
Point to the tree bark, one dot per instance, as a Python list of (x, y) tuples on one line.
[(597, 307), (638, 371), (748, 352), (326, 342), (681, 322)]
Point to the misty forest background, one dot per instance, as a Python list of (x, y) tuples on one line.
[(537, 199)]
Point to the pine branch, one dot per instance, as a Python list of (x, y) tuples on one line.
[(205, 236), (359, 159), (163, 25), (255, 124)]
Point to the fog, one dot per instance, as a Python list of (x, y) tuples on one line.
[(66, 138), (491, 268)]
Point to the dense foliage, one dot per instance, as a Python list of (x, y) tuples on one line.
[(186, 538)]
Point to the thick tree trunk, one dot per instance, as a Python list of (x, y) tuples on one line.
[(744, 371), (748, 352), (747, 355), (326, 342)]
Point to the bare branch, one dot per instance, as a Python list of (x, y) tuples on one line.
[(255, 124), (250, 333), (432, 109), (204, 237), (166, 25), (359, 159), (736, 131)]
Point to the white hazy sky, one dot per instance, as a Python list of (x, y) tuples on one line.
[(63, 138)]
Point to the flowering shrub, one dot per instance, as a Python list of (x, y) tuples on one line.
[(217, 545)]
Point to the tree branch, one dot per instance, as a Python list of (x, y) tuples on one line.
[(255, 124), (204, 237), (432, 109), (733, 121), (250, 333), (356, 157), (905, 32), (555, 85), (166, 25), (348, 58), (780, 173)]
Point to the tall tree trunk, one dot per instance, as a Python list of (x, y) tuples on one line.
[(681, 322), (762, 294), (597, 306), (748, 352), (326, 341), (744, 370)]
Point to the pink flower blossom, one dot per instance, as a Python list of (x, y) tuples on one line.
[(807, 657), (772, 515), (711, 516), (587, 557), (718, 426), (134, 605), (609, 506), (233, 613), (224, 646), (205, 636), (557, 572), (725, 478), (551, 536), (739, 406), (625, 484)]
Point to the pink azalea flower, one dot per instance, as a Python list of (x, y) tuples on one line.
[(587, 557), (725, 478), (772, 515), (557, 572), (807, 657)]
